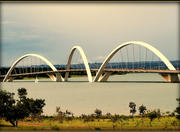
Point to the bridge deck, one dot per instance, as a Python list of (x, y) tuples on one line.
[(105, 70)]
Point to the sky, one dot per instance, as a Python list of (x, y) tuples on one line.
[(52, 29)]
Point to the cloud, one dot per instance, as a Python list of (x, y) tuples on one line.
[(14, 36), (98, 59), (12, 32), (55, 28), (7, 22)]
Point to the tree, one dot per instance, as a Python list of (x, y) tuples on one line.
[(7, 107), (29, 106), (35, 107), (152, 115), (98, 113), (6, 101), (158, 114), (108, 115), (142, 109), (22, 92), (178, 99), (13, 110), (132, 106), (178, 109), (60, 114), (10, 110), (114, 118), (69, 115)]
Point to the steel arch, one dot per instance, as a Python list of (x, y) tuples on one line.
[(84, 60), (27, 55), (148, 46)]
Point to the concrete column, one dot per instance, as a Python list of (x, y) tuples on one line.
[(52, 76), (10, 79), (104, 77), (66, 76), (58, 77), (170, 77)]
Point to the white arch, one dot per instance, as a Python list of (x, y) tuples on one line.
[(27, 55), (148, 46), (84, 60)]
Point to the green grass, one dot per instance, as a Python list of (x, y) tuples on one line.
[(136, 123), (33, 78), (72, 76)]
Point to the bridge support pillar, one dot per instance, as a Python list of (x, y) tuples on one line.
[(66, 76), (52, 76), (170, 77), (104, 77), (10, 79), (56, 78)]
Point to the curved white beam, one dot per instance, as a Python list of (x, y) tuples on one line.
[(27, 55), (84, 60), (148, 46)]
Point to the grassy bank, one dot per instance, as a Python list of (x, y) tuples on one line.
[(39, 78), (31, 78), (136, 123)]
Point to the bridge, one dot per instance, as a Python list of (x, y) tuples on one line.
[(128, 57)]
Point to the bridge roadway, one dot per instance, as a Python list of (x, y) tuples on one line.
[(105, 70)]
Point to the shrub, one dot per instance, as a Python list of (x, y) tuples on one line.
[(55, 127)]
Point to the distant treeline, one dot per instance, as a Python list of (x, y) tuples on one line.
[(112, 65)]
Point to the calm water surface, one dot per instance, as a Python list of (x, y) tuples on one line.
[(80, 96)]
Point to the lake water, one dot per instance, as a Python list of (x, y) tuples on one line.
[(80, 96)]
